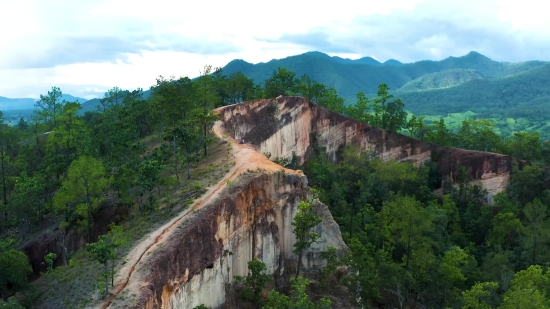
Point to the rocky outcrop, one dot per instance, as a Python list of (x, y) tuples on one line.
[(193, 259), (292, 125), (251, 218)]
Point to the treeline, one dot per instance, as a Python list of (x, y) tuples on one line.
[(411, 247)]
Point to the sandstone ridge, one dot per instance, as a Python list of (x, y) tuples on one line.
[(287, 125), (193, 258)]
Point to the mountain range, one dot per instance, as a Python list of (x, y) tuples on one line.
[(8, 104)]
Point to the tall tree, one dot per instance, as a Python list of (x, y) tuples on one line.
[(84, 186), (281, 82), (302, 223), (50, 107)]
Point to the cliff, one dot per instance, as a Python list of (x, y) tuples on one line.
[(287, 125), (194, 257)]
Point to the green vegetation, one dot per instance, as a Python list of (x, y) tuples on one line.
[(302, 224), (254, 282), (297, 298), (407, 245)]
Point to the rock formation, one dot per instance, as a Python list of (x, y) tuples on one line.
[(193, 258), (292, 125)]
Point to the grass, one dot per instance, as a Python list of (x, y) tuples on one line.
[(79, 284)]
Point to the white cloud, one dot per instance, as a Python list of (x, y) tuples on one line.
[(104, 43)]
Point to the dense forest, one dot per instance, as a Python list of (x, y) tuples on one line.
[(407, 245)]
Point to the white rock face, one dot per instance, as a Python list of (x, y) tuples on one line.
[(262, 233)]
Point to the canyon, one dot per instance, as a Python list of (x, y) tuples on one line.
[(193, 258)]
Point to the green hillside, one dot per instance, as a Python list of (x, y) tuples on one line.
[(441, 80), (522, 95)]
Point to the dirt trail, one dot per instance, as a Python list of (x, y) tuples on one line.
[(246, 158)]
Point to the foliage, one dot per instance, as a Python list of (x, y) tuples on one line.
[(50, 258), (254, 282), (297, 299), (14, 267), (302, 223), (84, 187)]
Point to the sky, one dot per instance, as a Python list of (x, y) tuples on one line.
[(88, 47)]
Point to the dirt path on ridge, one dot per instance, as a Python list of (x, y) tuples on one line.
[(246, 158)]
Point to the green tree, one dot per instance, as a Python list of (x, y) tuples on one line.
[(525, 146), (538, 228), (477, 297), (113, 96), (415, 126), (331, 265), (101, 251), (298, 298), (84, 186), (451, 268), (529, 289), (207, 97), (407, 224), (359, 111), (254, 282), (14, 268), (302, 223), (50, 258), (281, 82), (50, 107)]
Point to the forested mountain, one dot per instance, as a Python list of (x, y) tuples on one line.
[(351, 76)]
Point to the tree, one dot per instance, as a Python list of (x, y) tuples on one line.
[(439, 134), (451, 268), (477, 297), (84, 186), (207, 97), (113, 96), (407, 224), (415, 126), (101, 251), (14, 267), (529, 289), (360, 111), (50, 258), (22, 124), (254, 282), (281, 82), (298, 298), (303, 222), (537, 229), (525, 146), (50, 107)]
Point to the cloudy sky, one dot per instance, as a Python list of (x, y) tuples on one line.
[(87, 47)]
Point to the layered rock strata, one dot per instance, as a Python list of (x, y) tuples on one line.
[(252, 218), (285, 126)]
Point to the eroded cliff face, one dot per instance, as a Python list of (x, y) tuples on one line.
[(251, 218), (288, 125)]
